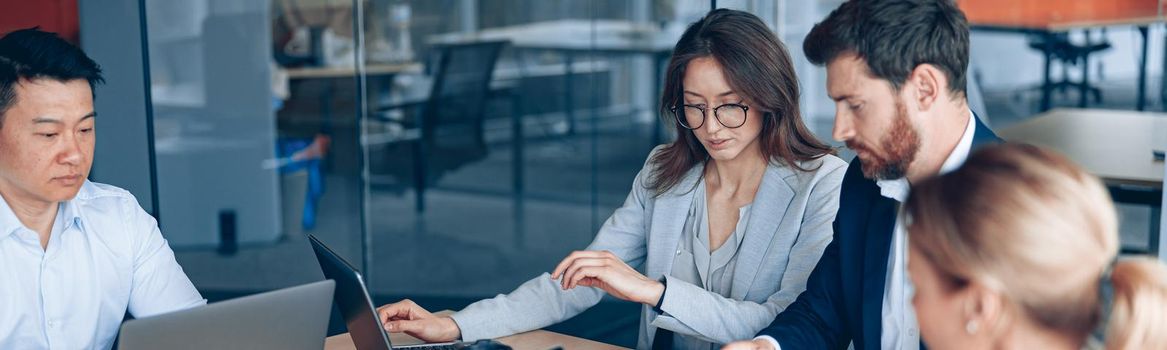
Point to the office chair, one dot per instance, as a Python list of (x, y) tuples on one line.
[(1059, 47), (450, 121)]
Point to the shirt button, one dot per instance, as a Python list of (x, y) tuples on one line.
[(678, 252), (912, 332)]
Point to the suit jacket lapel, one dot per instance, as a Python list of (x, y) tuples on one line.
[(982, 135), (880, 226), (669, 214), (770, 202)]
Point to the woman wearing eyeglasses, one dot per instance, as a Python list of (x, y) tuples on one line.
[(722, 227)]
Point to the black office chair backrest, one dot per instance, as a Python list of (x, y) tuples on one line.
[(453, 115)]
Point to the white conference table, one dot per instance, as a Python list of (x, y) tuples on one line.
[(1114, 145)]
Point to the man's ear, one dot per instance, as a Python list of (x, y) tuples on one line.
[(928, 83)]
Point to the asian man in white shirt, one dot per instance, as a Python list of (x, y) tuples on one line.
[(75, 256)]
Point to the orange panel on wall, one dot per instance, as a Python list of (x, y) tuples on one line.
[(1052, 14), (59, 16)]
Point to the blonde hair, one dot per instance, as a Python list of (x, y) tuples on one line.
[(1032, 225)]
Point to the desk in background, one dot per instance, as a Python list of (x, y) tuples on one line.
[(383, 71), (330, 114), (1046, 18), (1113, 145), (376, 69), (575, 37), (610, 36)]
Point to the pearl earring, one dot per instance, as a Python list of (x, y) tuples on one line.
[(971, 327)]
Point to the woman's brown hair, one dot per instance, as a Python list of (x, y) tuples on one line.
[(757, 67), (1037, 228)]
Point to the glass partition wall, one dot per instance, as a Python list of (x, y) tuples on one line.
[(250, 101)]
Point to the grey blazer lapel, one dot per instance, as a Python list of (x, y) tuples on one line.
[(770, 203), (668, 219)]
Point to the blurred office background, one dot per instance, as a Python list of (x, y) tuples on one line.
[(452, 149)]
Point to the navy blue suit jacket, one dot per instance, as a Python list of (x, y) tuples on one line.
[(843, 300)]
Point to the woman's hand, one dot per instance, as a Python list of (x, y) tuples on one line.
[(757, 344), (604, 270), (405, 316)]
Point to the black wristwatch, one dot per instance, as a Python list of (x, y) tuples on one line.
[(664, 282)]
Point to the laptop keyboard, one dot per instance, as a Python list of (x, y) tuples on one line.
[(430, 347)]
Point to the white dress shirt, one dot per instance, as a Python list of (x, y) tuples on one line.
[(105, 257), (899, 328), (898, 323)]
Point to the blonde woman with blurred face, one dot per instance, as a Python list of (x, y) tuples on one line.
[(1017, 250)]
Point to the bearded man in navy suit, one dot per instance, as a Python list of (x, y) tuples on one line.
[(896, 71)]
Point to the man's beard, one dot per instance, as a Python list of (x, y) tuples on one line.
[(901, 144)]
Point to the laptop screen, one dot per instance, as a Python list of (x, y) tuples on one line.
[(352, 298)]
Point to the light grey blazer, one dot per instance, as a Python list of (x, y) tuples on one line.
[(788, 229)]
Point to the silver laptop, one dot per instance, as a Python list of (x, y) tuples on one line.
[(290, 318)]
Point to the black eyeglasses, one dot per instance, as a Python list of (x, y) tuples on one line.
[(730, 115)]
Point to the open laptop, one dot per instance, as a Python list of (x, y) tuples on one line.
[(364, 325), (289, 318)]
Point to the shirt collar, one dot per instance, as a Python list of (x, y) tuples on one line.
[(898, 189), (960, 153), (9, 223), (70, 214), (67, 212)]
